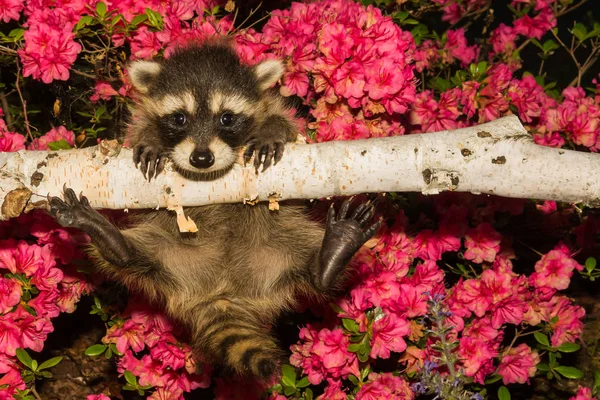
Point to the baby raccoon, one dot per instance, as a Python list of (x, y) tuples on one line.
[(228, 282)]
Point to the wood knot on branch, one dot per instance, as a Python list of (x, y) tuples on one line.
[(15, 202)]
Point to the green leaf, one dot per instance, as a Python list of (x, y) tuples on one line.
[(154, 19), (45, 374), (303, 382), (59, 145), (16, 34), (549, 45), (503, 393), (364, 373), (542, 367), (289, 390), (353, 379), (569, 347), (101, 9), (50, 363), (493, 379), (580, 31), (138, 19), (130, 378), (354, 347), (350, 325), (29, 309), (24, 357), (95, 350), (569, 372), (308, 394), (590, 264), (541, 338), (289, 375)]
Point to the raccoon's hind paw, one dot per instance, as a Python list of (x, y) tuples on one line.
[(344, 236), (270, 151), (72, 212), (152, 159)]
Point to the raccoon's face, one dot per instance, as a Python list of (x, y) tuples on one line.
[(201, 105)]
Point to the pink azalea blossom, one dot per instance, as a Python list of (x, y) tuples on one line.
[(518, 365), (383, 387), (387, 336), (554, 270), (10, 294), (482, 243), (583, 393), (97, 397), (11, 141)]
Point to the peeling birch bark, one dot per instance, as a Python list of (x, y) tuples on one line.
[(497, 158)]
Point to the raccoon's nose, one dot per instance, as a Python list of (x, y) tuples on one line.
[(202, 159)]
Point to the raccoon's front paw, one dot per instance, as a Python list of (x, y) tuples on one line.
[(72, 212), (265, 151), (344, 236), (152, 159)]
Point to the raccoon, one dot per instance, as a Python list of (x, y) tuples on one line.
[(228, 282)]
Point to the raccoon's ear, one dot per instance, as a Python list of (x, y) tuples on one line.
[(268, 72), (143, 74)]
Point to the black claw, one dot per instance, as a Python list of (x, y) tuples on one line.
[(83, 200), (366, 217), (268, 158), (359, 211), (70, 196), (248, 153), (137, 153), (330, 215), (161, 165), (373, 228), (344, 208), (279, 147)]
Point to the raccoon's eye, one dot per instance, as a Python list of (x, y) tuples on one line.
[(226, 119), (179, 119)]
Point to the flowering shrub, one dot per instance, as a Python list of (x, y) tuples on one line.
[(452, 299)]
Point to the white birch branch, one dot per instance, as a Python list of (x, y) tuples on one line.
[(498, 158)]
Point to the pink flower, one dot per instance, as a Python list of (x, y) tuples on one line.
[(583, 393), (20, 257), (554, 270), (34, 331), (103, 91), (476, 354), (101, 396), (385, 386), (333, 391), (11, 141), (518, 365), (457, 47), (537, 26), (382, 287), (503, 39), (482, 243), (54, 135), (169, 353), (332, 348), (13, 381), (129, 335), (145, 43), (387, 336), (10, 294), (10, 335), (11, 10), (565, 320), (49, 52)]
